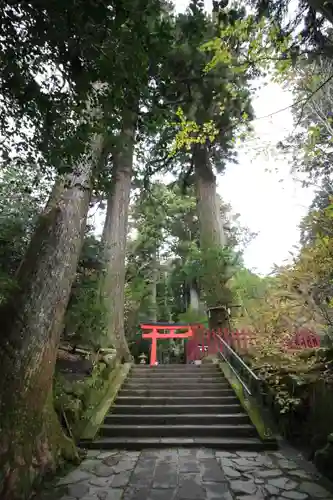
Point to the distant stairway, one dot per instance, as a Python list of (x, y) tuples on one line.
[(177, 405)]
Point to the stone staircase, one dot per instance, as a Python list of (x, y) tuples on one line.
[(177, 405)]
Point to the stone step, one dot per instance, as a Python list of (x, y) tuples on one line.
[(180, 383), (198, 392), (165, 374), (180, 409), (186, 377), (152, 373), (220, 443), (178, 405), (175, 378), (176, 419), (175, 400), (194, 370), (180, 368), (160, 431)]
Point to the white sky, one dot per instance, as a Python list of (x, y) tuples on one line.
[(269, 202), (262, 190)]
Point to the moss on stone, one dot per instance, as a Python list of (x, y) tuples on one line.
[(248, 403), (75, 401), (93, 419)]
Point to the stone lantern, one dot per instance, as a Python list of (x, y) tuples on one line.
[(142, 358)]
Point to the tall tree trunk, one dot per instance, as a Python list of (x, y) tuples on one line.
[(153, 289), (194, 299), (31, 439), (115, 236), (212, 238), (208, 202)]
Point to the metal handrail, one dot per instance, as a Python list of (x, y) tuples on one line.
[(236, 374), (239, 359), (251, 383)]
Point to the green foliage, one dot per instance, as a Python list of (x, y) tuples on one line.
[(193, 316), (48, 72), (49, 75), (163, 219), (85, 320), (213, 268), (74, 401), (21, 200), (167, 239), (296, 297), (203, 108), (218, 266), (189, 133), (306, 22), (261, 46), (308, 147), (249, 290)]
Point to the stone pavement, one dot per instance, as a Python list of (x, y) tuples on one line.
[(192, 474)]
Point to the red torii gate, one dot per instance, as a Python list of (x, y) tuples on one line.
[(199, 334), (171, 328)]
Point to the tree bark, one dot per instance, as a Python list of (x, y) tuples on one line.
[(194, 299), (115, 236), (153, 289), (212, 236), (31, 439), (208, 202)]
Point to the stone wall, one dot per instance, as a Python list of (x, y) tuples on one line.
[(78, 392)]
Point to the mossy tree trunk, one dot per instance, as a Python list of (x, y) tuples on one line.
[(31, 439), (212, 238), (115, 235), (208, 205)]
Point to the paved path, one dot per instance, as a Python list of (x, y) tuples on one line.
[(191, 474)]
